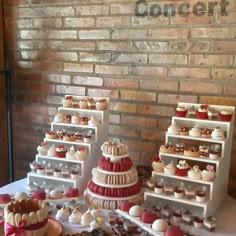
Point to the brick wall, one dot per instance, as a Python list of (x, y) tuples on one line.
[(145, 65)]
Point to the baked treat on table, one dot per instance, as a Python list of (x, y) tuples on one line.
[(214, 152), (167, 148), (195, 132), (20, 196), (126, 205), (173, 129), (72, 192), (179, 191), (39, 195), (148, 217), (83, 104), (159, 225), (93, 121), (225, 115), (67, 119), (179, 148), (212, 113), (70, 154), (29, 216), (169, 169), (181, 111), (177, 216), (75, 217), (182, 168), (87, 137), (218, 133), (184, 130), (51, 151), (204, 150), (91, 103), (84, 120), (209, 223), (158, 164), (101, 104), (43, 148), (136, 211), (4, 198), (190, 191), (192, 151), (195, 172), (202, 112), (168, 189), (81, 153), (59, 117), (61, 151), (75, 119), (63, 214), (192, 112), (201, 195), (198, 222), (209, 173), (114, 148), (174, 231), (205, 133), (51, 135), (187, 217), (67, 101), (68, 136)]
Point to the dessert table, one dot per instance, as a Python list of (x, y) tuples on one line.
[(225, 215)]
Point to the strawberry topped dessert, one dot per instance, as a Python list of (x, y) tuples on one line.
[(101, 104), (202, 112), (158, 164), (61, 151)]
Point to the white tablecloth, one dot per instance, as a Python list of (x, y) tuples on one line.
[(226, 214)]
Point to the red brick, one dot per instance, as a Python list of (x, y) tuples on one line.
[(114, 119), (35, 76), (103, 93), (129, 34), (229, 19), (192, 19), (122, 8), (149, 21), (218, 100), (87, 80), (200, 87), (152, 135), (224, 46), (137, 96), (159, 84), (149, 70), (113, 46), (92, 10), (130, 58), (57, 2), (38, 44), (95, 57), (58, 78), (16, 2), (224, 74), (19, 85), (111, 69), (141, 146), (123, 131), (66, 89), (138, 121), (214, 32), (78, 67), (48, 65), (169, 33), (168, 59), (155, 110), (41, 87), (163, 124), (57, 56), (121, 83), (229, 89), (13, 24), (47, 23), (123, 107), (152, 46), (94, 34), (211, 60), (11, 11), (79, 22), (175, 98), (185, 72), (24, 64), (113, 21), (78, 45), (48, 34)]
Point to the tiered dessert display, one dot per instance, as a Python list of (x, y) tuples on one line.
[(192, 170), (69, 150), (114, 179)]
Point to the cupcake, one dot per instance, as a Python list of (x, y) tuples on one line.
[(63, 214), (59, 117), (184, 130), (81, 153), (51, 151), (67, 118), (159, 187), (61, 151), (204, 150), (173, 129), (87, 137), (167, 148), (201, 195), (214, 152), (182, 168), (67, 101), (43, 148), (179, 191), (84, 120), (205, 133), (192, 111), (195, 172), (169, 169), (158, 164), (202, 112), (71, 153), (101, 104), (218, 133), (93, 121), (225, 115), (209, 173), (212, 113), (180, 111), (209, 223), (75, 217), (83, 104), (75, 119), (91, 103), (191, 151), (195, 132)]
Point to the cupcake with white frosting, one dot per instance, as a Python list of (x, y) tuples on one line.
[(169, 169), (71, 153), (209, 173), (75, 217), (173, 129), (195, 172), (63, 214)]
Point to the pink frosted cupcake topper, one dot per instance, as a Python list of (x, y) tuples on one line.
[(210, 168)]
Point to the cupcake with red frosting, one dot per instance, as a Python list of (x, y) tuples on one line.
[(181, 111), (202, 112), (182, 168), (158, 164)]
